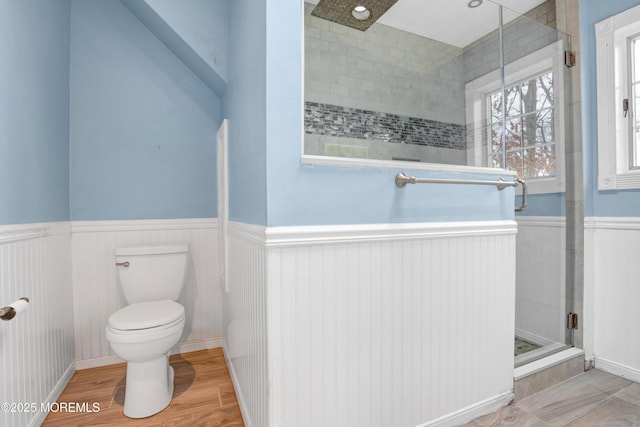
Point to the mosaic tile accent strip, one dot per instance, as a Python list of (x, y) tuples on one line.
[(334, 120)]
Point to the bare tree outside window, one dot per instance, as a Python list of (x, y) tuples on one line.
[(530, 132)]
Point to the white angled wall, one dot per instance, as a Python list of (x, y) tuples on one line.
[(540, 279), (612, 293), (390, 325), (36, 347), (97, 292)]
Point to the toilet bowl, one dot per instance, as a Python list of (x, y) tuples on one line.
[(143, 332)]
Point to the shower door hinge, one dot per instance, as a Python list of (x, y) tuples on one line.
[(569, 58), (572, 321)]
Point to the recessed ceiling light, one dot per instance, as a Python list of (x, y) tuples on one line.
[(361, 13), (474, 3)]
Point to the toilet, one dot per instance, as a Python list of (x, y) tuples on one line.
[(142, 333)]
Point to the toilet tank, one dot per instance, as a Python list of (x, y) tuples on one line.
[(152, 272)]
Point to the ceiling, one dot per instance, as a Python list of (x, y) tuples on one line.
[(451, 21)]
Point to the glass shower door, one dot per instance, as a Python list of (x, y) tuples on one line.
[(534, 106)]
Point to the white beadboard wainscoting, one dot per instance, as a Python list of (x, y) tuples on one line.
[(36, 346), (612, 293), (540, 279), (96, 288), (245, 321), (380, 325)]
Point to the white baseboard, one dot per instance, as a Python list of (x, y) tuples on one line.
[(471, 412), (186, 347), (618, 369), (244, 410), (54, 395), (197, 345)]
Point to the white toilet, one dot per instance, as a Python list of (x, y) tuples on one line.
[(143, 333)]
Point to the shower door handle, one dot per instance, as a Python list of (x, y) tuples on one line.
[(523, 205)]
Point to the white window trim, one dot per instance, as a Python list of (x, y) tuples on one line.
[(550, 57), (614, 172)]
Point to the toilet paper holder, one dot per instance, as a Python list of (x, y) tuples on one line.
[(9, 312)]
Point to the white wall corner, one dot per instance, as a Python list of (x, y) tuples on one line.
[(54, 395), (244, 409)]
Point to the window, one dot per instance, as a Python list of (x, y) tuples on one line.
[(534, 137), (633, 117), (530, 136), (618, 70)]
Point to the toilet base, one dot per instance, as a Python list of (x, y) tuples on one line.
[(149, 387)]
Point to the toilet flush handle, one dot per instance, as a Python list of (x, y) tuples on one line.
[(123, 264)]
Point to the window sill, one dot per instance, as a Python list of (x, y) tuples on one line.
[(400, 165), (624, 181)]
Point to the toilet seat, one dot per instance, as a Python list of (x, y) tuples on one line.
[(144, 316), (146, 331), (143, 336), (145, 321)]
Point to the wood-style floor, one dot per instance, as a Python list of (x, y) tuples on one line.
[(203, 395), (594, 398)]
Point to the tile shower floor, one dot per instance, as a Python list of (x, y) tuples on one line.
[(522, 346)]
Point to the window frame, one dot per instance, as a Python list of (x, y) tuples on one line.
[(613, 79), (549, 58)]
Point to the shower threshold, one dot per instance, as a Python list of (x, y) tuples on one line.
[(528, 350)]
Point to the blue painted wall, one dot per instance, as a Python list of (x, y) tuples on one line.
[(202, 24), (143, 127), (303, 195), (34, 111), (193, 30), (245, 103), (550, 204), (268, 184), (598, 203)]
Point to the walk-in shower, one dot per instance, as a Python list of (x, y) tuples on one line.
[(458, 85)]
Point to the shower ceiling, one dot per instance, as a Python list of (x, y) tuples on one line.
[(340, 11), (449, 21)]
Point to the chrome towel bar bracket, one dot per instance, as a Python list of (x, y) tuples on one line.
[(402, 180)]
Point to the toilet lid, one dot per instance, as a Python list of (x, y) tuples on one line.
[(144, 315)]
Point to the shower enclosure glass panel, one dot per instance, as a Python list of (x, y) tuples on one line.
[(538, 128), (455, 85)]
